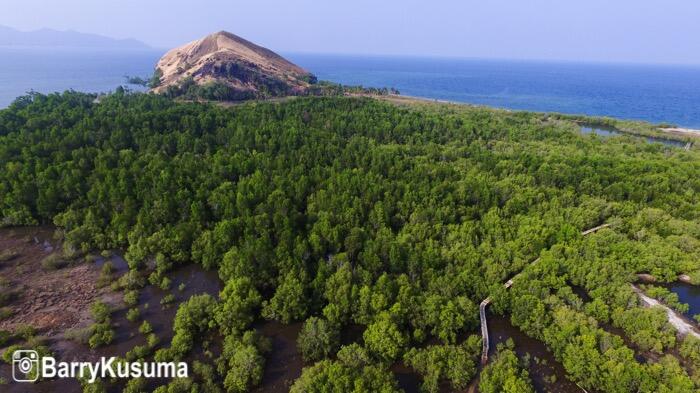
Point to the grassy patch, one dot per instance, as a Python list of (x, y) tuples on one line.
[(54, 262), (8, 255), (79, 335), (7, 294), (5, 312)]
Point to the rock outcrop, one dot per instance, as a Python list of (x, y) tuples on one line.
[(225, 61)]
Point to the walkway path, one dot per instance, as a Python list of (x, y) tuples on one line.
[(508, 284)]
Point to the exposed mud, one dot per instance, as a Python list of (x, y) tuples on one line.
[(51, 301), (55, 301)]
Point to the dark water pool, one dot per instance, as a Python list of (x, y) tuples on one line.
[(547, 374), (689, 294)]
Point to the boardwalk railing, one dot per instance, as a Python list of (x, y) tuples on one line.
[(508, 284)]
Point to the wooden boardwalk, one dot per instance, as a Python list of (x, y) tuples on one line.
[(484, 331), (508, 284)]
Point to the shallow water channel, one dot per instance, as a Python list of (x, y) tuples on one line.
[(687, 293), (607, 132), (547, 374), (195, 280), (284, 363)]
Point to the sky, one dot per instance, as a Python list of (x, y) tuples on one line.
[(635, 31)]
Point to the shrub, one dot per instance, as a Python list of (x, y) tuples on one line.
[(5, 312), (167, 299), (131, 297), (5, 336), (100, 311), (25, 331), (102, 334), (152, 340), (165, 283), (8, 255), (79, 335), (138, 352), (132, 280), (54, 262), (145, 328), (105, 274), (90, 258), (133, 314)]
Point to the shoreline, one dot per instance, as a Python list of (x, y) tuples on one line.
[(682, 131), (677, 320), (675, 131)]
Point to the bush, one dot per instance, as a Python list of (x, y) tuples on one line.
[(152, 340), (101, 331), (5, 312), (102, 334), (131, 297), (79, 335), (90, 258), (105, 274), (100, 311), (165, 283), (132, 280), (8, 255), (167, 299), (145, 328), (133, 314), (5, 336), (54, 262), (25, 331), (7, 295), (139, 352)]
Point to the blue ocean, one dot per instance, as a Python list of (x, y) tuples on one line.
[(669, 94)]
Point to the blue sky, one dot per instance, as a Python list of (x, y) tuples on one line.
[(640, 31)]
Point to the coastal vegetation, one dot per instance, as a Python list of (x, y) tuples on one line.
[(344, 213)]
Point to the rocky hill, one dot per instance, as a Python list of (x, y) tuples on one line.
[(225, 66)]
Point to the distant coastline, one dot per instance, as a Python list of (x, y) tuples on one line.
[(671, 131), (682, 131), (49, 38), (657, 96)]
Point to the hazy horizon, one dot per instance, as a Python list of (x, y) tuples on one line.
[(641, 32)]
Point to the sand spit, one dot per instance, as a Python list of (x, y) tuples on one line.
[(680, 323)]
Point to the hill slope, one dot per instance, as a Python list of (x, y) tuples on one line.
[(245, 69)]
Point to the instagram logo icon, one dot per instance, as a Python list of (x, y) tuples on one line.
[(23, 363)]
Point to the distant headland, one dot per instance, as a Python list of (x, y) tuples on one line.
[(10, 37)]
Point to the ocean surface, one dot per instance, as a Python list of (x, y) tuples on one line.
[(669, 94)]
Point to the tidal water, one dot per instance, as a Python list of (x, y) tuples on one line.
[(56, 70), (689, 294), (669, 94), (640, 92), (607, 132)]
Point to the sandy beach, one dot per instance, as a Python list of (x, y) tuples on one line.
[(682, 131)]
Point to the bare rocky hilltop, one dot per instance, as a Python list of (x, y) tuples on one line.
[(226, 66)]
